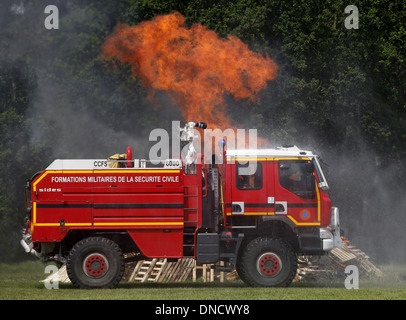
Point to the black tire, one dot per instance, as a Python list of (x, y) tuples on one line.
[(267, 262), (95, 263)]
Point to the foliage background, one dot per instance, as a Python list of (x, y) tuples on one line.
[(339, 92)]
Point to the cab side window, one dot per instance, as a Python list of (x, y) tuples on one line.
[(297, 177), (249, 176)]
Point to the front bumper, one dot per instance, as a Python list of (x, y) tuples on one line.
[(330, 236)]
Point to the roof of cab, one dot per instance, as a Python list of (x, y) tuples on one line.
[(290, 151)]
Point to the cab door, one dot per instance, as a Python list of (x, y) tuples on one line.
[(250, 188), (296, 195)]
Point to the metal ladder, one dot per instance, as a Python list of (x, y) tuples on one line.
[(191, 199)]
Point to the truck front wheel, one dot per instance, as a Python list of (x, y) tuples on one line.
[(95, 262), (267, 262)]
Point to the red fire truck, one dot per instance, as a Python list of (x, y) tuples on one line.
[(256, 210)]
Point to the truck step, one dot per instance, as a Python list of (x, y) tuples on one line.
[(223, 268), (189, 241)]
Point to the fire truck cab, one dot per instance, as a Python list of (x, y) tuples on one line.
[(285, 185), (255, 210)]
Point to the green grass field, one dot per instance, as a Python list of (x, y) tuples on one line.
[(23, 282)]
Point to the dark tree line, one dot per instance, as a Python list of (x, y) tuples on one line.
[(340, 92)]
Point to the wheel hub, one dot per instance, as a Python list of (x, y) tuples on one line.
[(269, 264), (95, 265)]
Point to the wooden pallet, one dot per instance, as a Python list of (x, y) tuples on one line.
[(334, 264), (343, 255), (350, 254), (161, 270), (178, 271), (148, 270)]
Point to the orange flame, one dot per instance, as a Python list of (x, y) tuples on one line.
[(194, 65)]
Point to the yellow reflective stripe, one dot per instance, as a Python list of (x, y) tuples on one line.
[(292, 158), (251, 214), (249, 159), (136, 171), (267, 159), (318, 203), (137, 223), (34, 216), (255, 213), (303, 223), (73, 224), (34, 185), (66, 224)]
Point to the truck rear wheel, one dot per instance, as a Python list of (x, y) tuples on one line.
[(95, 262), (267, 262)]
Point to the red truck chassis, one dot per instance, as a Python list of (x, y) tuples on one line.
[(256, 210)]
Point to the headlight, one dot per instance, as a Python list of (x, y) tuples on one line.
[(325, 233)]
